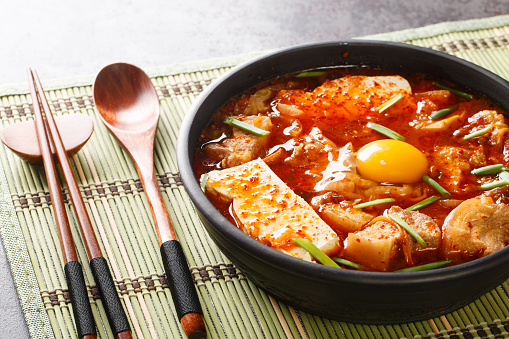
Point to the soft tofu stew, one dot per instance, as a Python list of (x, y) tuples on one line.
[(361, 169)]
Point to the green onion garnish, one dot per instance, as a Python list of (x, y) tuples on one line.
[(315, 252), (491, 169), (436, 186), (455, 91), (245, 126), (408, 228), (504, 180), (203, 181), (426, 267), (477, 133), (374, 202), (494, 184), (386, 131), (504, 176), (390, 102), (310, 74), (443, 112), (423, 203), (345, 262)]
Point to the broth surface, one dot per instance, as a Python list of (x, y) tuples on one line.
[(318, 128)]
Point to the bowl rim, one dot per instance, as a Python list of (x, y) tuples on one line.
[(279, 260)]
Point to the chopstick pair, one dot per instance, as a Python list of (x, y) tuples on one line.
[(47, 133)]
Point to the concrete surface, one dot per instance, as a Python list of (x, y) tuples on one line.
[(65, 38), (72, 38)]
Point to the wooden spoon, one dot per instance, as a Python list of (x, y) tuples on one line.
[(129, 107), (75, 130)]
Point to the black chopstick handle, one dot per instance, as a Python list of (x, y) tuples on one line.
[(109, 296), (85, 324), (179, 279)]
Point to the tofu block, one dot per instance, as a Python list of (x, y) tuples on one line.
[(266, 209), (348, 98), (376, 245)]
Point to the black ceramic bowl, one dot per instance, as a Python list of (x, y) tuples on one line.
[(346, 295)]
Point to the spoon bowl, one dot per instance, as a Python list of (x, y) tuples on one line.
[(121, 92)]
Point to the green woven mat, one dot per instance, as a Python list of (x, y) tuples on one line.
[(234, 307)]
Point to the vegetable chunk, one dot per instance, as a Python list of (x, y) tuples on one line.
[(382, 243), (375, 246), (269, 211), (344, 218), (242, 146), (425, 226), (476, 228)]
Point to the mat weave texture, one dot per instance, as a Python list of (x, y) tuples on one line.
[(233, 306)]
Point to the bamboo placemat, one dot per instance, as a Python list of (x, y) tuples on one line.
[(234, 307)]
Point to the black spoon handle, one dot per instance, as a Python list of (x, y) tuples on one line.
[(179, 279)]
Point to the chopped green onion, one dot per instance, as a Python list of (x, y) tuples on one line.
[(426, 267), (374, 202), (315, 252), (390, 102), (310, 74), (491, 169), (494, 184), (386, 131), (435, 115), (408, 228), (203, 181), (477, 133), (504, 180), (455, 91), (504, 176), (204, 178), (345, 262), (245, 126), (423, 203), (436, 186)]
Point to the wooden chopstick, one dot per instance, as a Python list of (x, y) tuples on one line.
[(85, 325), (99, 267)]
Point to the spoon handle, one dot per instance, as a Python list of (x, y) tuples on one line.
[(162, 222), (180, 281), (182, 289)]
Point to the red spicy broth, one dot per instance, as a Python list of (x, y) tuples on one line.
[(441, 145)]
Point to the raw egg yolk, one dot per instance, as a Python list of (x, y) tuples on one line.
[(391, 161)]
